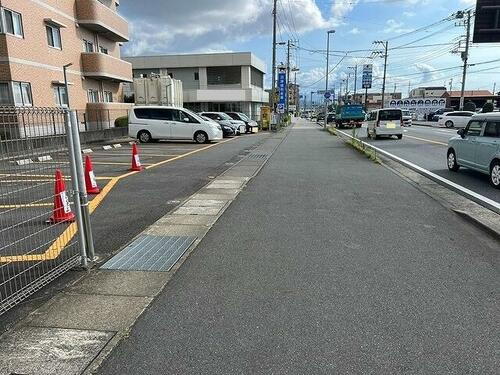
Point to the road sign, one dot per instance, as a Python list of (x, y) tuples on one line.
[(282, 91), (367, 76), (487, 24), (327, 95)]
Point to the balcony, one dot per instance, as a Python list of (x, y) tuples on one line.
[(96, 16), (101, 66)]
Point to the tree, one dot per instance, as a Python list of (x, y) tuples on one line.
[(488, 107), (470, 106)]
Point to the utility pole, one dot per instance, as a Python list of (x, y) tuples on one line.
[(347, 88), (465, 58), (409, 88), (355, 68), (340, 90), (395, 87), (385, 45), (273, 91), (312, 104), (494, 88), (451, 84), (327, 72), (288, 78)]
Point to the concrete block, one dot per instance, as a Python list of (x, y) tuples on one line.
[(48, 351), (121, 283), (204, 203), (205, 220), (177, 230), (86, 311), (197, 211)]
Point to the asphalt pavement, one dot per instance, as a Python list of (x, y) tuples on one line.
[(326, 263), (427, 147)]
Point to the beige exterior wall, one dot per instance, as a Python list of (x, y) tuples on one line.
[(31, 59)]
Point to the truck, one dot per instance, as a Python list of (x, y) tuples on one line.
[(349, 115)]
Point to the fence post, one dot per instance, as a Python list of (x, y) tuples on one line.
[(109, 120), (76, 189), (84, 200)]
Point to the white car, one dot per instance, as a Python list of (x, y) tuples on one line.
[(457, 119), (151, 123), (407, 117), (385, 122)]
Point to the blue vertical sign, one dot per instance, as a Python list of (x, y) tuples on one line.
[(281, 91)]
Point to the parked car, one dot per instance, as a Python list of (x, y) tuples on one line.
[(223, 119), (250, 124), (151, 123), (227, 130), (385, 122), (457, 119), (407, 117), (478, 147), (434, 116), (320, 118)]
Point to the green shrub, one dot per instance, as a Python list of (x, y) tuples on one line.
[(121, 122), (488, 107)]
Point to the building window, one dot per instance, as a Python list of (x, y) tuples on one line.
[(257, 78), (93, 96), (224, 75), (88, 46), (21, 92), (108, 97), (103, 50), (11, 22), (61, 96), (53, 36), (196, 76), (5, 97)]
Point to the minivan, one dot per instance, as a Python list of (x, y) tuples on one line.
[(152, 123), (385, 122), (477, 147)]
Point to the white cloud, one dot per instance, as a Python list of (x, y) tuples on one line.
[(393, 26), (427, 71), (409, 14), (355, 31), (468, 2), (193, 25)]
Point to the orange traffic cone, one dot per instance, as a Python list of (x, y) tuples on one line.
[(62, 210), (136, 162), (90, 181)]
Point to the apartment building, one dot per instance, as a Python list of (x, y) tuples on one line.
[(212, 81), (39, 37)]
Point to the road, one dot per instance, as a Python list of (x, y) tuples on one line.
[(426, 147), (345, 269)]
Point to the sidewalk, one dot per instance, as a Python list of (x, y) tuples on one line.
[(325, 263)]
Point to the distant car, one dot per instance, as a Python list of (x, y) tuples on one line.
[(331, 118), (407, 117), (434, 116), (249, 123), (223, 119), (151, 123), (457, 119), (320, 118), (478, 147), (227, 130), (385, 122)]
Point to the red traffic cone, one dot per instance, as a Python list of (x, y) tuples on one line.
[(90, 181), (62, 209), (136, 162)]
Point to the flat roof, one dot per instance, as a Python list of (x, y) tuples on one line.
[(196, 60)]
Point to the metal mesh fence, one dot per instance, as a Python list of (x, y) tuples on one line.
[(37, 241)]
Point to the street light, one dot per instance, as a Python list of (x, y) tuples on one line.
[(295, 99), (327, 72), (355, 68)]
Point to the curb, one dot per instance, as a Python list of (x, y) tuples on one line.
[(481, 224)]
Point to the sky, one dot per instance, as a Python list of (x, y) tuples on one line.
[(423, 38)]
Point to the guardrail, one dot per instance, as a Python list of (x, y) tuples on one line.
[(473, 196)]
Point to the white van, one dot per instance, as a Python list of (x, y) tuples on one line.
[(385, 122), (151, 123)]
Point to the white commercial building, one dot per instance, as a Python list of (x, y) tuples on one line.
[(212, 82)]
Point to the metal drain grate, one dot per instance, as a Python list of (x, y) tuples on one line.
[(258, 156), (150, 253)]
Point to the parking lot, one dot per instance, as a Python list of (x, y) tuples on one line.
[(127, 203)]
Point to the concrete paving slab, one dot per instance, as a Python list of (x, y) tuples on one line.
[(187, 220), (177, 230), (48, 351), (225, 185), (225, 177), (204, 203), (219, 197), (121, 283), (94, 312), (227, 192), (197, 211)]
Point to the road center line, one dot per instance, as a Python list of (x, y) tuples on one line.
[(427, 140)]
